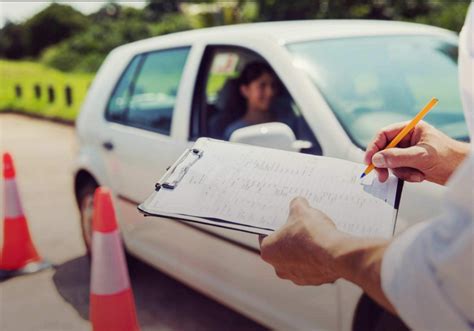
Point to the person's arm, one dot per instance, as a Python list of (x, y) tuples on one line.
[(424, 154), (425, 275), (309, 250), (360, 262)]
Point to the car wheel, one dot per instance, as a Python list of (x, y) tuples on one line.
[(86, 207)]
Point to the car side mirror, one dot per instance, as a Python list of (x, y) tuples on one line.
[(274, 135)]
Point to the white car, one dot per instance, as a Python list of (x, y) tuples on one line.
[(340, 82)]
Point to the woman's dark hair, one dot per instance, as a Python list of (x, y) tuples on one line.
[(237, 108), (253, 71)]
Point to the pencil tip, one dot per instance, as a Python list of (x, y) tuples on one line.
[(362, 176)]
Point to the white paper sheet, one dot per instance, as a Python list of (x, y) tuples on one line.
[(253, 186)]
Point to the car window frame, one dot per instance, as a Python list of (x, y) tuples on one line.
[(197, 124), (107, 114), (123, 117)]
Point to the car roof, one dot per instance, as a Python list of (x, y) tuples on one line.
[(284, 32)]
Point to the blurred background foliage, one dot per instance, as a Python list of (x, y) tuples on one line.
[(60, 47), (66, 39), (36, 89)]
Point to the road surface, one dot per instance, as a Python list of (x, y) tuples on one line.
[(57, 299)]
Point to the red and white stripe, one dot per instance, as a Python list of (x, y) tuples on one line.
[(109, 273), (13, 209)]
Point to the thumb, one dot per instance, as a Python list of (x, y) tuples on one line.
[(298, 203), (298, 207), (411, 157)]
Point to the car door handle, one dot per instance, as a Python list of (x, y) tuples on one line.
[(108, 145)]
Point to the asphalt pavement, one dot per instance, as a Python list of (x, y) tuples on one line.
[(58, 298)]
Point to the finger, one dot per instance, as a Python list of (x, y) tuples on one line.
[(383, 138), (260, 239), (382, 174), (409, 174), (282, 274), (388, 133), (299, 282), (299, 202), (412, 157), (298, 205), (269, 247)]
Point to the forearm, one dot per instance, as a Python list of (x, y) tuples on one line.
[(459, 151), (359, 261)]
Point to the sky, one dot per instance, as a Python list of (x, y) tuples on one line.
[(18, 11)]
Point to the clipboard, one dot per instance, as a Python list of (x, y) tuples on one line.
[(170, 180), (193, 154), (177, 179)]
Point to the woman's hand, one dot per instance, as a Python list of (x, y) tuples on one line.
[(424, 154)]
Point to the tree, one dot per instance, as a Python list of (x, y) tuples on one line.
[(155, 9), (449, 14), (52, 25), (275, 10), (12, 41)]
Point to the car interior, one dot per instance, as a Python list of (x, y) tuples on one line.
[(219, 102)]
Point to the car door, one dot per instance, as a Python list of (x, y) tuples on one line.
[(215, 97), (138, 135), (239, 251)]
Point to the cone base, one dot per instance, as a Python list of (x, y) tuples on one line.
[(113, 312), (30, 268), (18, 248)]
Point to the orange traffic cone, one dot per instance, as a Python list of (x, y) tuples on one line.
[(112, 307), (19, 255)]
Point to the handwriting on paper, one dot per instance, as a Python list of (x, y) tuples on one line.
[(254, 186)]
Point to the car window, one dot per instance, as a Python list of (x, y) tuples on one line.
[(384, 80), (153, 94), (224, 106), (118, 103)]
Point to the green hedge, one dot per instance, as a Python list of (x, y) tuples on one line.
[(21, 81)]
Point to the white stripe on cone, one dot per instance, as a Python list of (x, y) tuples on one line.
[(13, 207), (109, 272)]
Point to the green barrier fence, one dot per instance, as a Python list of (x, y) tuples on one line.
[(36, 89)]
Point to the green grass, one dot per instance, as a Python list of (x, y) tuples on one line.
[(27, 75)]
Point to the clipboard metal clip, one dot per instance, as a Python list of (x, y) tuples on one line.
[(176, 172)]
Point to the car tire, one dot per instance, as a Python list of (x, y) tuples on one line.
[(85, 200)]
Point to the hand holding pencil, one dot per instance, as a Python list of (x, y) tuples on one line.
[(423, 153)]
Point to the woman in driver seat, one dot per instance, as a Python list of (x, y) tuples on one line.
[(258, 86)]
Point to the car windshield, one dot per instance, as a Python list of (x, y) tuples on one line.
[(370, 82)]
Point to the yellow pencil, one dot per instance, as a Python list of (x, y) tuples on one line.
[(405, 131)]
